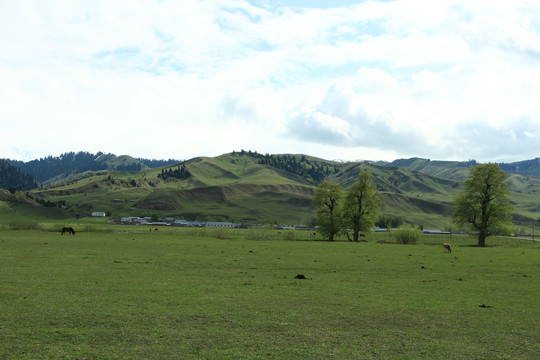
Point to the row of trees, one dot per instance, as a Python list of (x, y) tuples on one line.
[(181, 172), (153, 163), (128, 167), (358, 208), (311, 170), (483, 205)]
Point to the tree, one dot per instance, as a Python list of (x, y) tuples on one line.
[(361, 205), (328, 198), (19, 196), (485, 203)]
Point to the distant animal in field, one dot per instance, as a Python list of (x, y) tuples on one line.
[(68, 230), (156, 229), (447, 247)]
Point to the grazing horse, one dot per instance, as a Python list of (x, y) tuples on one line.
[(68, 230), (447, 247)]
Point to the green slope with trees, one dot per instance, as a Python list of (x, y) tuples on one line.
[(12, 178), (68, 166), (246, 186)]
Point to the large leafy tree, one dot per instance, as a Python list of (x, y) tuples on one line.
[(361, 209), (484, 204), (328, 198)]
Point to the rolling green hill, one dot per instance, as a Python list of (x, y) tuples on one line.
[(228, 187), (454, 170), (253, 188), (16, 208)]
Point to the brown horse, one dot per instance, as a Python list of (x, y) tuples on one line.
[(69, 230)]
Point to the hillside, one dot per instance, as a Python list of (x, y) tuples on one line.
[(416, 197), (249, 187), (454, 170), (458, 170), (12, 178), (228, 187), (525, 168), (254, 188), (17, 209), (71, 165)]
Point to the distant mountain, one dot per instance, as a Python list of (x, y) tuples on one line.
[(11, 178), (54, 169), (526, 167), (459, 170), (65, 164), (454, 170)]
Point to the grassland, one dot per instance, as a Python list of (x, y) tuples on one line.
[(129, 293)]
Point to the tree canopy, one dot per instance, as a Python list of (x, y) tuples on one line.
[(361, 209), (328, 199), (484, 204)]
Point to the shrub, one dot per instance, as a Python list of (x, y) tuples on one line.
[(289, 235), (24, 225), (195, 232), (221, 234), (259, 233), (407, 234)]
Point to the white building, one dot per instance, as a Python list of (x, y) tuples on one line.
[(221, 225)]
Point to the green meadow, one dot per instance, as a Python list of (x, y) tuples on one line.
[(123, 292)]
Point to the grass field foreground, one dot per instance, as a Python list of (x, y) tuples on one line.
[(129, 293)]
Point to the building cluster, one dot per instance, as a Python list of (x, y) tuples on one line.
[(169, 221)]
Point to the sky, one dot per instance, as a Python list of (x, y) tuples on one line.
[(341, 80)]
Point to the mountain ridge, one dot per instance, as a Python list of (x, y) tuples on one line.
[(51, 170)]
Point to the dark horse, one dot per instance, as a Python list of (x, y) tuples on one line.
[(68, 230)]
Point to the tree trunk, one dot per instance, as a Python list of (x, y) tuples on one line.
[(482, 239), (355, 235)]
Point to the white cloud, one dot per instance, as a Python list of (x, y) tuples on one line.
[(444, 79), (368, 80)]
